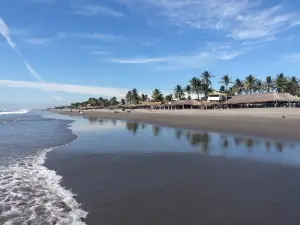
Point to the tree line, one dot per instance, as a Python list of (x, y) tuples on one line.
[(201, 87)]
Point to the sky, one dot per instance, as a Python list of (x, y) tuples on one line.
[(53, 52)]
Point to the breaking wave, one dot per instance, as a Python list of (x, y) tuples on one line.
[(30, 193), (23, 111)]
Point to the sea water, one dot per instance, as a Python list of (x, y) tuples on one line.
[(29, 192)]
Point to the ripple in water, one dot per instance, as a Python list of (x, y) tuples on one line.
[(31, 194)]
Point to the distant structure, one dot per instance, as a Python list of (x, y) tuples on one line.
[(216, 97), (271, 99)]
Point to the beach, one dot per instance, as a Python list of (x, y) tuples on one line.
[(125, 170), (276, 123)]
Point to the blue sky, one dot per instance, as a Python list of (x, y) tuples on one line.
[(53, 52)]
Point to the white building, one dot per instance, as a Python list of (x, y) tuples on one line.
[(216, 97)]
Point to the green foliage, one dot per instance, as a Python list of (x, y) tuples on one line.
[(206, 82), (196, 86), (179, 92), (157, 96), (169, 98), (202, 86)]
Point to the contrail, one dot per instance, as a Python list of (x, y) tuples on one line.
[(5, 32)]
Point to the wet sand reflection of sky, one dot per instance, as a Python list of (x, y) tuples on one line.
[(145, 138)]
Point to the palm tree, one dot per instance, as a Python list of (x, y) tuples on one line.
[(196, 86), (239, 86), (93, 101), (293, 85), (222, 89), (280, 83), (100, 101), (135, 96), (269, 85), (226, 80), (144, 97), (128, 97), (157, 95), (188, 90), (205, 78), (178, 92), (169, 98), (113, 101), (250, 82), (259, 86)]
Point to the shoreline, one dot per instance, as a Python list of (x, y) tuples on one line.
[(112, 175), (262, 123)]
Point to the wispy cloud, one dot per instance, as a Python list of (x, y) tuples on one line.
[(33, 72), (293, 57), (5, 32), (39, 40), (95, 10), (240, 19), (90, 90), (212, 52), (99, 36), (139, 60)]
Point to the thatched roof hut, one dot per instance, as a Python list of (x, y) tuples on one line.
[(185, 102), (129, 106), (216, 93), (262, 98), (89, 106), (150, 104)]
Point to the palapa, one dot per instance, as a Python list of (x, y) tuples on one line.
[(185, 102), (262, 98)]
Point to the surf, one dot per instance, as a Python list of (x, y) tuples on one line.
[(22, 111)]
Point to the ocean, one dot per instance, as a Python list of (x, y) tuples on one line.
[(29, 192), (72, 170)]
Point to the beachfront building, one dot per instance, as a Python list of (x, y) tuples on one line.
[(216, 97), (183, 104), (264, 100)]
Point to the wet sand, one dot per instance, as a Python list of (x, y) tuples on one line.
[(267, 123), (180, 189)]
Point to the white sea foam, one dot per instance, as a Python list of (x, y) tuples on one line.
[(31, 194), (23, 111)]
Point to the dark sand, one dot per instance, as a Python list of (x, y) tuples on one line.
[(274, 127), (180, 189), (184, 188)]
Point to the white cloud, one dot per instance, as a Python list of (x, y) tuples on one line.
[(296, 23), (139, 60), (38, 40), (33, 72), (44, 40), (240, 19), (5, 32), (95, 10), (97, 91), (99, 36), (211, 53)]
